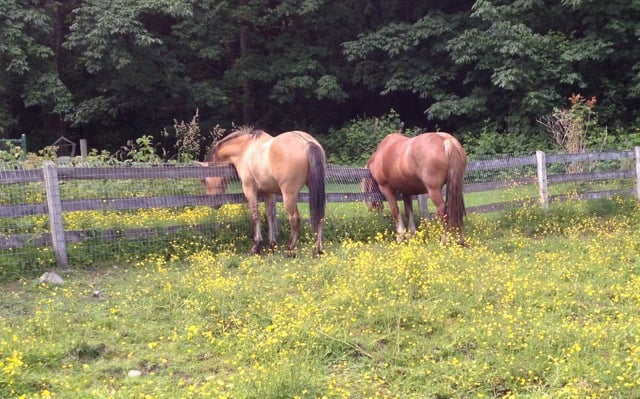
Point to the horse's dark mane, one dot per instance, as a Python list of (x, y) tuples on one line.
[(244, 130)]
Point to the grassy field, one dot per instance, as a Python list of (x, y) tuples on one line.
[(536, 305)]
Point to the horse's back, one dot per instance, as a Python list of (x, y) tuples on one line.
[(386, 154), (288, 149), (295, 135), (411, 165)]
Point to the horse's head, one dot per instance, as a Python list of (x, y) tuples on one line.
[(369, 185), (222, 152), (214, 184), (228, 148), (227, 151)]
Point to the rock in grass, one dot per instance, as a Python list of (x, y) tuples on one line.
[(51, 278), (134, 373)]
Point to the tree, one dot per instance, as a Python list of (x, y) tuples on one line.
[(509, 62), (613, 78), (526, 56), (111, 71), (269, 61), (407, 53), (253, 62), (124, 74), (30, 80)]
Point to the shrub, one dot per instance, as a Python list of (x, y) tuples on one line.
[(573, 128), (188, 139), (140, 150), (352, 144), (490, 142)]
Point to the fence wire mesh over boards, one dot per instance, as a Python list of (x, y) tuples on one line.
[(118, 212)]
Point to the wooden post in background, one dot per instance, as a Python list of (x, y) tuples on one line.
[(423, 209), (83, 149), (54, 205), (543, 183)]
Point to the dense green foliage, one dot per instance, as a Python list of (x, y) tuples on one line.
[(111, 71), (354, 143)]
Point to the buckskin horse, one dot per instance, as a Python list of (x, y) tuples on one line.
[(419, 165), (271, 165)]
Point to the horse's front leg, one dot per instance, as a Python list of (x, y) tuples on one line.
[(272, 220), (390, 195), (252, 199), (291, 205)]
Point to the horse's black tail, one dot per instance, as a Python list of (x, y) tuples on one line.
[(315, 182)]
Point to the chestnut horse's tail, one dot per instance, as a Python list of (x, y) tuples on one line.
[(315, 182), (457, 158)]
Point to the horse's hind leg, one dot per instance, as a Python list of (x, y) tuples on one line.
[(408, 211), (436, 196), (291, 205), (272, 220)]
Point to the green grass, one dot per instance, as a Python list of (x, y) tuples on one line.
[(539, 304), (522, 192)]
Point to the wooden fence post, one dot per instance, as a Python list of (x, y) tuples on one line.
[(83, 149), (541, 158), (637, 150), (423, 209), (54, 205), (23, 144)]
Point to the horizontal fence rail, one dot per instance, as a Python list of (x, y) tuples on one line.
[(537, 170)]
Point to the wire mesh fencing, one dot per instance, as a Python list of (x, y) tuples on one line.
[(117, 212)]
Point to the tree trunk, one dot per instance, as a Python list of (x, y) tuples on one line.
[(246, 85)]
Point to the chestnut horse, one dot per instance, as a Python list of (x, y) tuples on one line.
[(419, 165), (270, 165)]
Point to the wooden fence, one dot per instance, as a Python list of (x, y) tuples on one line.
[(52, 175)]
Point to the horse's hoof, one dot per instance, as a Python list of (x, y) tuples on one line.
[(255, 250), (317, 252)]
